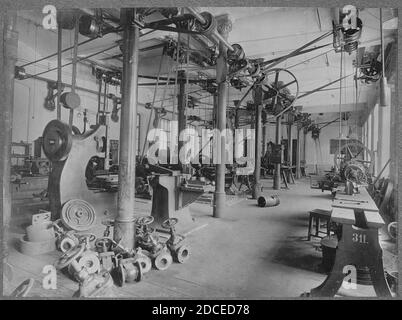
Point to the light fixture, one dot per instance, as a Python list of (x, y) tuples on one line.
[(384, 88), (384, 93)]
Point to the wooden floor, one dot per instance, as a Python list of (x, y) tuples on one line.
[(251, 252)]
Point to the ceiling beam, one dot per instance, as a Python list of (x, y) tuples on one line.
[(347, 107)]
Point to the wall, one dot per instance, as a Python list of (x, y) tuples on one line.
[(381, 133), (318, 155)]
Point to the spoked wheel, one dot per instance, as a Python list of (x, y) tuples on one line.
[(169, 223), (144, 221), (354, 151), (280, 89)]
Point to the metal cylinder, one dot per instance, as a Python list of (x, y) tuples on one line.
[(10, 45), (181, 107), (221, 74), (277, 174), (59, 72), (298, 155), (290, 145), (268, 201), (257, 149), (124, 227)]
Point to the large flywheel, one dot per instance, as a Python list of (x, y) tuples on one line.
[(354, 161), (280, 88), (57, 140)]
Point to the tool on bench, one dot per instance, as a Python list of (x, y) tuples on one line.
[(351, 200)]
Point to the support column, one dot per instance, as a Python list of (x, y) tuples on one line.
[(290, 144), (74, 67), (304, 146), (59, 74), (9, 56), (298, 154), (124, 230), (264, 137), (181, 108), (277, 173), (221, 75), (257, 154)]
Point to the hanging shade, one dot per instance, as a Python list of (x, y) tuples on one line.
[(385, 98)]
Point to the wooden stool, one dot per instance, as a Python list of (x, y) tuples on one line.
[(316, 215)]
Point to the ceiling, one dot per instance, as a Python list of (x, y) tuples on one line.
[(269, 33)]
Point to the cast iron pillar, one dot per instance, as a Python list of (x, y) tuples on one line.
[(59, 71), (264, 133), (221, 74), (258, 136), (298, 154), (277, 174), (290, 145), (9, 57), (181, 108), (124, 230), (304, 145)]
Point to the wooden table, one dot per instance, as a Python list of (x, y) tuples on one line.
[(358, 244)]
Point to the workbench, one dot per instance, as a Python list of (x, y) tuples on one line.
[(358, 243)]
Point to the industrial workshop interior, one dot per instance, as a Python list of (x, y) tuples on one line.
[(200, 152)]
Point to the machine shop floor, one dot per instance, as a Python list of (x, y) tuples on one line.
[(251, 252)]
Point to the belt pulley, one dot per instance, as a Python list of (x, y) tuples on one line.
[(78, 215), (57, 140)]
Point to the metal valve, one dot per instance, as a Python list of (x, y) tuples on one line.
[(90, 285), (109, 224), (149, 242), (106, 255), (65, 239), (147, 239), (179, 250), (88, 258), (142, 257), (128, 270)]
